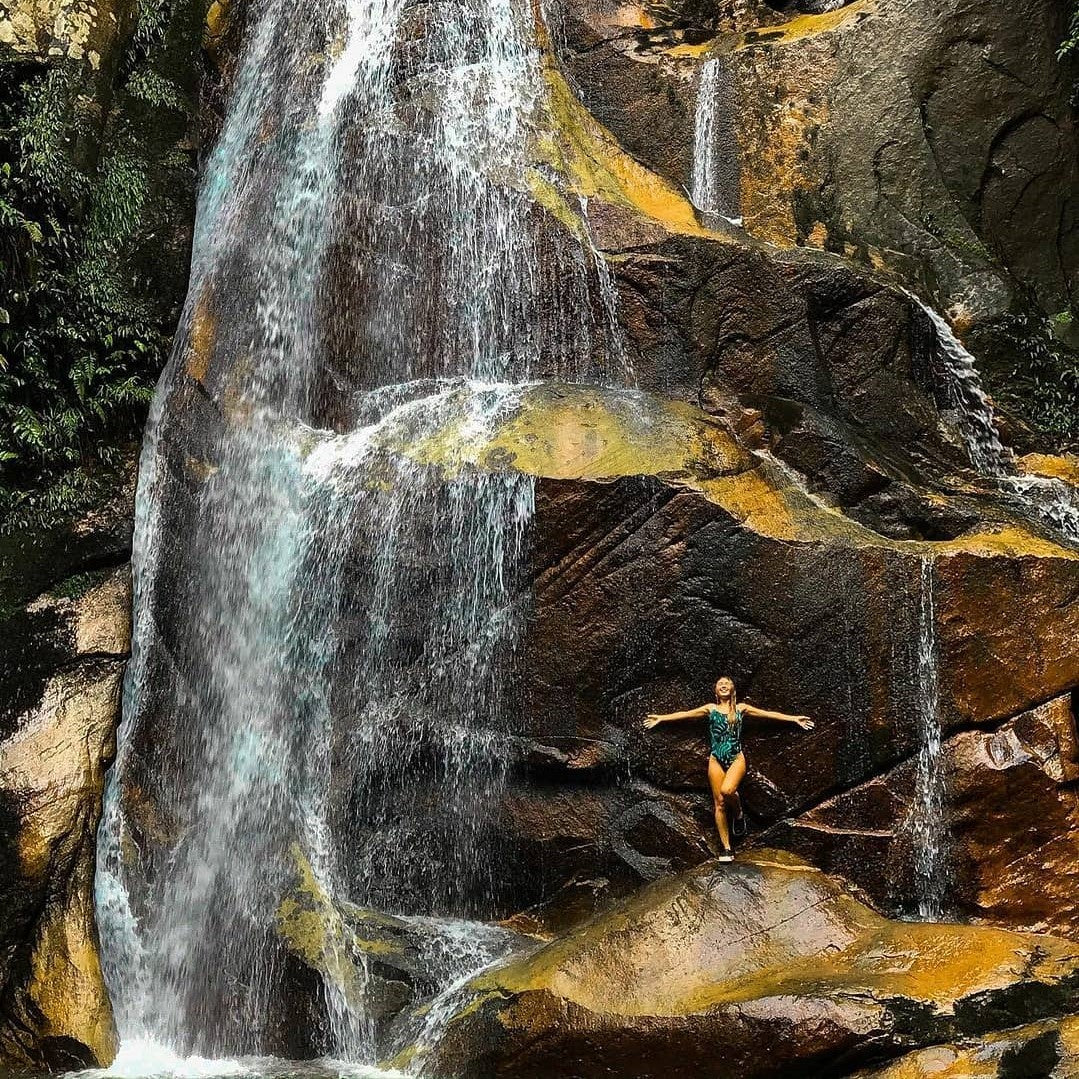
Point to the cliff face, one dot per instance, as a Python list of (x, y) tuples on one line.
[(783, 500)]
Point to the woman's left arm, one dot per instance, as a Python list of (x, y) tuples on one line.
[(803, 721)]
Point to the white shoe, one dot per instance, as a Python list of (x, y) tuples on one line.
[(726, 856)]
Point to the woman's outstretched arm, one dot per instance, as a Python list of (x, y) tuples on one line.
[(694, 713), (803, 721)]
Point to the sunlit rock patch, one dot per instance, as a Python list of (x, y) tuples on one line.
[(721, 962)]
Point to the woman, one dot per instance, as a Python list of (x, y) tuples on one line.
[(727, 762)]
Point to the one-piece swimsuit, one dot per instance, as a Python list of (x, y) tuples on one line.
[(726, 736)]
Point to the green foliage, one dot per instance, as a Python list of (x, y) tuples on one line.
[(78, 355), (1070, 43), (153, 88), (1043, 382)]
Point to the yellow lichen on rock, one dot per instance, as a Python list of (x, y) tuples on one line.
[(55, 767), (67, 985), (769, 930), (216, 27), (985, 1057), (313, 929), (1064, 467), (804, 27), (200, 346), (596, 166), (596, 434)]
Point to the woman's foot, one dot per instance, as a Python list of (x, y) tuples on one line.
[(726, 856), (738, 826)]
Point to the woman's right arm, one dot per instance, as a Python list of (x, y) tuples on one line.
[(656, 717)]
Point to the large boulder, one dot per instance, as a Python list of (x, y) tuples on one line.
[(1010, 822), (58, 739), (699, 971)]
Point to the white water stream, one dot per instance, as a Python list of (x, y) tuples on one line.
[(1046, 498), (927, 822), (714, 189), (325, 612)]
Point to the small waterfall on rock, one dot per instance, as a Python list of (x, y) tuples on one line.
[(926, 824), (715, 180), (1048, 499), (327, 586)]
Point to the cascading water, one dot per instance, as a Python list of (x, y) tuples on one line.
[(323, 619), (1048, 499), (926, 824), (715, 181)]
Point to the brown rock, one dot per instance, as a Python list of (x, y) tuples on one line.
[(1011, 822), (704, 968), (52, 769)]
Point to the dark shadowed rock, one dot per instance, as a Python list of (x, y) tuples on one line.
[(1048, 1050)]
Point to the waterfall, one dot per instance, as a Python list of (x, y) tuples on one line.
[(324, 621), (715, 181), (1048, 499), (926, 822)]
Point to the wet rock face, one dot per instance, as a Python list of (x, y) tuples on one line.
[(711, 965), (1010, 825), (929, 142), (677, 545), (59, 738), (916, 137), (649, 593)]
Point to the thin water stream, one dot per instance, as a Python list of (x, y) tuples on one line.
[(927, 823), (1048, 499), (714, 189)]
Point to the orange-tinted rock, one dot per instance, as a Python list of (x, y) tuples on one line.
[(713, 965)]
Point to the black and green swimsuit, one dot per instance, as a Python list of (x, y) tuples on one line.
[(726, 736)]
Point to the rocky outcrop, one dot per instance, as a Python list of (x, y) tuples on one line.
[(771, 503), (100, 139), (911, 139), (60, 719), (777, 500), (667, 551), (1010, 824), (854, 129), (1041, 1049), (707, 967)]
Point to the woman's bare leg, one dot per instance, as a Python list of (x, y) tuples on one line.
[(728, 787), (716, 779)]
